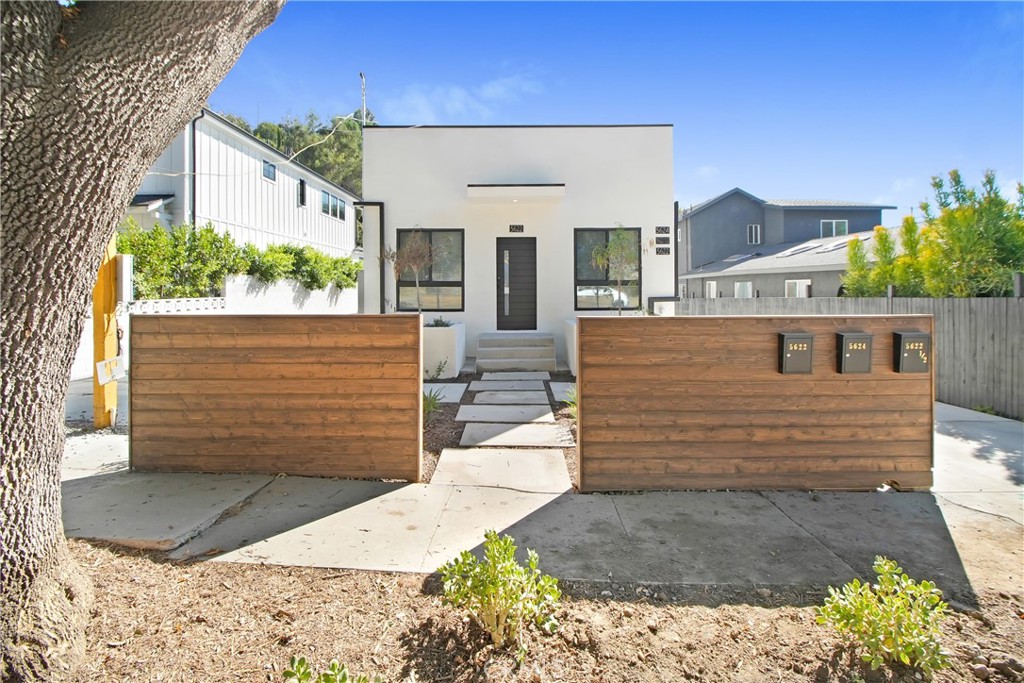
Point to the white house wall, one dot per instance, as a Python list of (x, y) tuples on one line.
[(233, 195), (612, 175)]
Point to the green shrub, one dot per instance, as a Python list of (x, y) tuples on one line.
[(431, 404), (501, 595), (571, 401), (345, 272), (269, 265), (896, 620), (439, 321), (298, 671)]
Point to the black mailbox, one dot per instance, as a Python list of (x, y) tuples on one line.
[(795, 352), (911, 351), (853, 352)]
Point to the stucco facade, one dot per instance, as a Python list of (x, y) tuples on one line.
[(493, 185)]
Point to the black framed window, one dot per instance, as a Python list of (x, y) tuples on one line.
[(302, 192), (442, 283), (611, 286), (331, 205)]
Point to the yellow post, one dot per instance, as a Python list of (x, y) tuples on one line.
[(104, 337)]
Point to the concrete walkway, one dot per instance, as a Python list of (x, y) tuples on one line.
[(739, 538)]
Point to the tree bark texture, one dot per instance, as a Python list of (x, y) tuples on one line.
[(91, 96)]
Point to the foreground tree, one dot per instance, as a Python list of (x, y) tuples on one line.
[(92, 94)]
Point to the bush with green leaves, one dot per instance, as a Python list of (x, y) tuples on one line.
[(895, 620), (431, 404), (187, 261), (501, 595), (572, 400), (299, 671)]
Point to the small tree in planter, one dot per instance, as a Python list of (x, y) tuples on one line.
[(415, 255), (621, 257)]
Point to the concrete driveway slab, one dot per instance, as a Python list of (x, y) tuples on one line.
[(500, 413), (722, 537), (390, 532), (285, 504), (91, 453), (507, 385), (451, 392), (151, 511), (517, 375), (470, 511), (522, 469), (560, 390), (529, 434), (513, 398), (907, 527)]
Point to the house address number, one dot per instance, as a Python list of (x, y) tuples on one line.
[(515, 228)]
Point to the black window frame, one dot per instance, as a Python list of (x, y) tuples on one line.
[(273, 171), (577, 283), (302, 192), (428, 281), (335, 207)]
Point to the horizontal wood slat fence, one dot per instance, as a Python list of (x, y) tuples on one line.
[(699, 403), (982, 358), (333, 396)]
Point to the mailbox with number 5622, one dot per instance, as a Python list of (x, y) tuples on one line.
[(911, 351), (853, 352), (795, 352)]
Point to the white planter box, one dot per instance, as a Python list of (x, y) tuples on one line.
[(444, 345)]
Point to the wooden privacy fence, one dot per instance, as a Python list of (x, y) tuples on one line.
[(336, 396), (982, 359), (700, 403)]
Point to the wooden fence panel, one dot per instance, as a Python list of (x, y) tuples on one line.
[(980, 347), (699, 403), (332, 396)]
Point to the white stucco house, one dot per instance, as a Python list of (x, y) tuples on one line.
[(513, 214), (215, 172)]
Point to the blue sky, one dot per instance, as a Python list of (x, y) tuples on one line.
[(855, 101)]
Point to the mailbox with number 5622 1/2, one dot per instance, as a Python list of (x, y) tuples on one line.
[(911, 352)]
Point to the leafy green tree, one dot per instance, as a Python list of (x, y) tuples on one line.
[(883, 273), (620, 256), (971, 247), (857, 279), (975, 243)]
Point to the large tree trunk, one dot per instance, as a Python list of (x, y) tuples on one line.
[(91, 96)]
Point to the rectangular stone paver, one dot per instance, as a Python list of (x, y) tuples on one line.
[(560, 390), (450, 392), (516, 375), (502, 413), (512, 398), (508, 385), (522, 469), (532, 434)]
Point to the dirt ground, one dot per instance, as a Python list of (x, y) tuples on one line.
[(156, 620), (161, 621)]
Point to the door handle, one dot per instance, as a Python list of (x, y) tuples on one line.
[(506, 281)]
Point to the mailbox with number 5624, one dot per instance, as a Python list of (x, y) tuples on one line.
[(853, 352), (911, 351), (795, 352)]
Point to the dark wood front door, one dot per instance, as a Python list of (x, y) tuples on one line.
[(517, 283)]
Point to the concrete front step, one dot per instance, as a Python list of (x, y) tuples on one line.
[(515, 352), (513, 364), (505, 413), (531, 434), (541, 471), (489, 340)]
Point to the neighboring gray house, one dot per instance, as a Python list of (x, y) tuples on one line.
[(738, 222), (803, 269)]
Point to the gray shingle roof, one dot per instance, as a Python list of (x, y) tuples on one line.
[(770, 258)]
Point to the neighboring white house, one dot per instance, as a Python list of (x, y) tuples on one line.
[(513, 214), (215, 172)]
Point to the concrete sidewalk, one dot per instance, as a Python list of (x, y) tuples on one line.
[(739, 538)]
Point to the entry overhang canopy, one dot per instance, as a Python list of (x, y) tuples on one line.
[(516, 192)]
